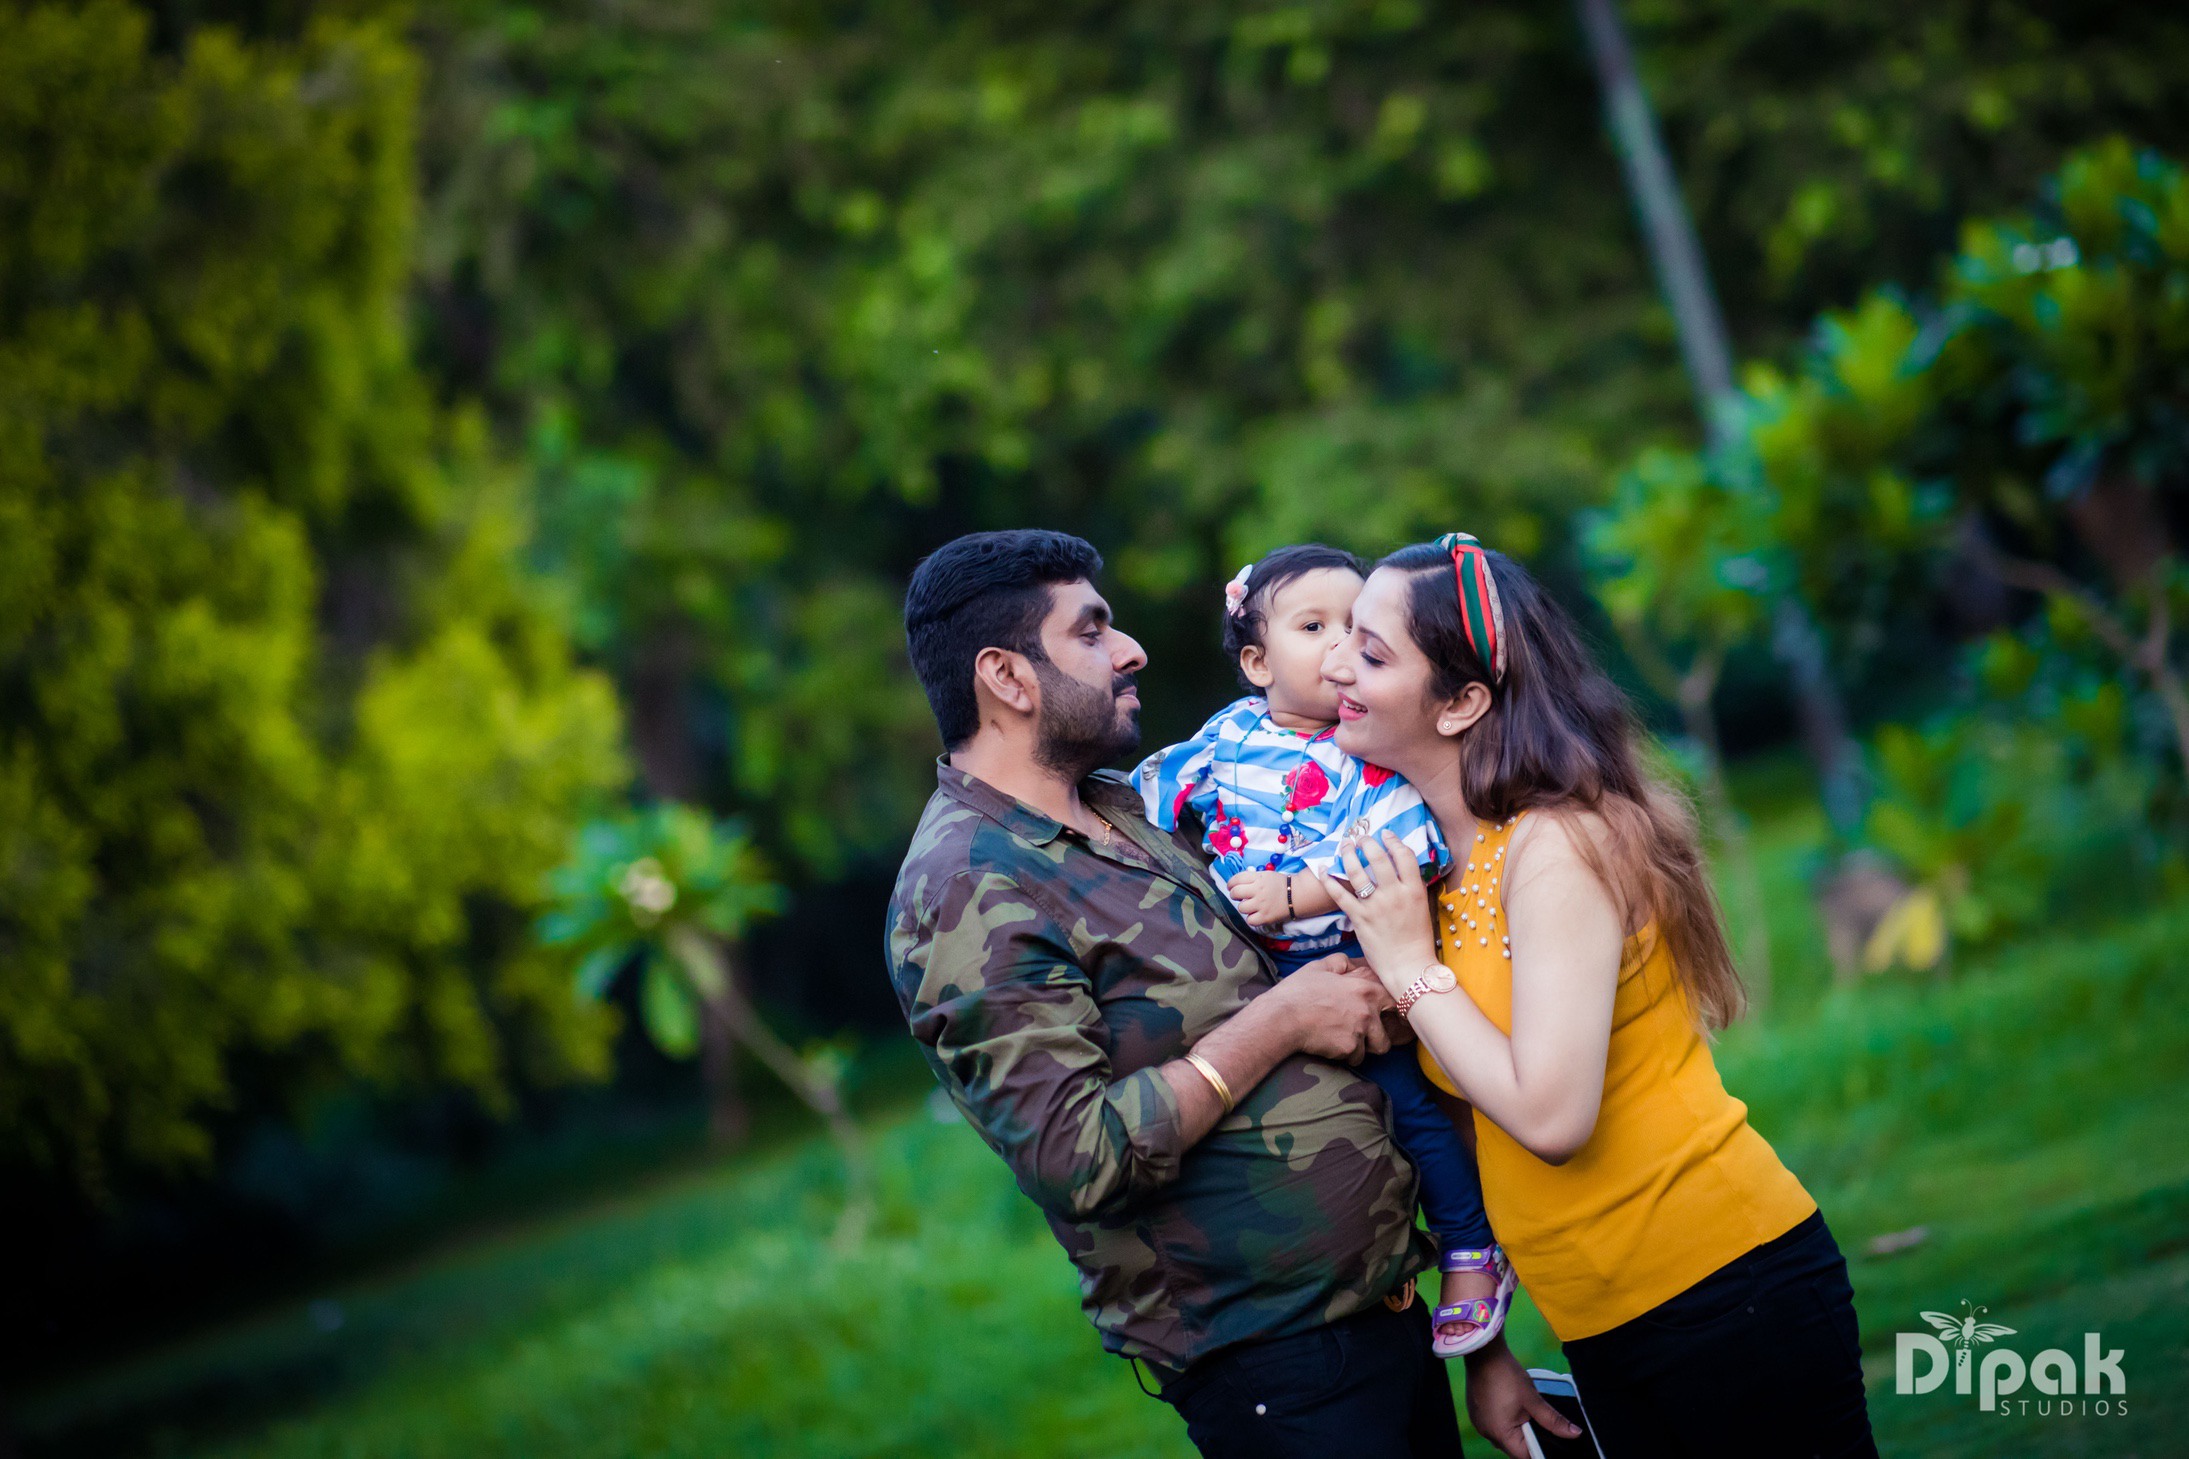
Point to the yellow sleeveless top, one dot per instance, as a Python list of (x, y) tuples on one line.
[(1672, 1184)]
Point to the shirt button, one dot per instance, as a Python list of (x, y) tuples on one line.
[(1264, 1408)]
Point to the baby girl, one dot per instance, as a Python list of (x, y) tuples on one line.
[(1277, 801)]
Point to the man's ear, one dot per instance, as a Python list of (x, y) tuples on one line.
[(1457, 715), (1254, 663), (1007, 678)]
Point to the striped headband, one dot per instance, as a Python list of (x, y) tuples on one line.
[(1480, 612)]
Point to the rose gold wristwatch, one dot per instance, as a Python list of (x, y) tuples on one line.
[(1435, 978)]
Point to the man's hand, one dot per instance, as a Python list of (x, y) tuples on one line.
[(1260, 897), (1501, 1397), (1323, 1009), (1332, 1011)]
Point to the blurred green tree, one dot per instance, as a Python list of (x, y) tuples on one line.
[(2031, 423), (779, 298), (2076, 317), (1683, 572), (2034, 423), (286, 744)]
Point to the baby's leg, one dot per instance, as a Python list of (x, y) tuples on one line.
[(1451, 1188), (1290, 960)]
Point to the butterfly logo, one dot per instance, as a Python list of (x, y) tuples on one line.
[(1965, 1332)]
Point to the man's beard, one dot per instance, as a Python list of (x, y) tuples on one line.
[(1080, 729)]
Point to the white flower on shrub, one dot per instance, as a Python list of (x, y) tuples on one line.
[(647, 891)]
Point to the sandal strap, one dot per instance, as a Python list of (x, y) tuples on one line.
[(1477, 1310), (1472, 1259)]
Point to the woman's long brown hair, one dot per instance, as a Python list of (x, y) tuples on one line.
[(1560, 736)]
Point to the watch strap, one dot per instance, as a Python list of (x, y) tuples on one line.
[(1415, 992)]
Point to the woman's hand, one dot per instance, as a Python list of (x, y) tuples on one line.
[(1501, 1397), (1391, 916)]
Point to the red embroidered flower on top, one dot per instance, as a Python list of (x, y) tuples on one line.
[(1306, 785)]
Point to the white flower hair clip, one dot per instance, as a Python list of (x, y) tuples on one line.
[(1235, 592)]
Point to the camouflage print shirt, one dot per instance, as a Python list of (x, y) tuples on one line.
[(1047, 981)]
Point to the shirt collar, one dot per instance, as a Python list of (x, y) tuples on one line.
[(1013, 814), (1102, 789), (1115, 796)]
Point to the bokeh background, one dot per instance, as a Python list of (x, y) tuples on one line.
[(459, 467)]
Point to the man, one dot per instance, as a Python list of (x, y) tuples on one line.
[(1240, 1218)]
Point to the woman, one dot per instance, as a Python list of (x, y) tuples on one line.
[(1702, 1302)]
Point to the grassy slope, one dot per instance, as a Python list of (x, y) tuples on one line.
[(2028, 1115)]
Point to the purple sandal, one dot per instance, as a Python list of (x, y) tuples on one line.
[(1486, 1313)]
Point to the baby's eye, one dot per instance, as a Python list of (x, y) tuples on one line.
[(1311, 628)]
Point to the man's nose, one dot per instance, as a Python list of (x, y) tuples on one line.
[(1126, 655)]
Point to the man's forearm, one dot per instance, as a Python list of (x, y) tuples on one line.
[(1244, 1049)]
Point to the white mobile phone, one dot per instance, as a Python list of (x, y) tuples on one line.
[(1559, 1391)]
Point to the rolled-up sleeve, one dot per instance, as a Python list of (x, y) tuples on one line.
[(1015, 1034)]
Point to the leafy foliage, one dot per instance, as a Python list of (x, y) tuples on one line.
[(766, 301), (1683, 560), (676, 891), (1994, 815), (2039, 403), (630, 882), (781, 300), (285, 743)]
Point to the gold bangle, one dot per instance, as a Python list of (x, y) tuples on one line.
[(1216, 1080)]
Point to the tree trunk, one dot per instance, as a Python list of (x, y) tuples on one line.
[(1670, 234), (1696, 688), (729, 1117), (1706, 349), (711, 967), (1693, 692), (1799, 645), (657, 691), (657, 688)]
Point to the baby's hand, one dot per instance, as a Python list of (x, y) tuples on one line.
[(1260, 895)]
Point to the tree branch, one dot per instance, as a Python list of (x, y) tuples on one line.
[(2043, 577), (2151, 654), (710, 969)]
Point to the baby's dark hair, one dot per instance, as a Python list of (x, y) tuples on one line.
[(1244, 629)]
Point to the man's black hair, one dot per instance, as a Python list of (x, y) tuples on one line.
[(1247, 627), (984, 590)]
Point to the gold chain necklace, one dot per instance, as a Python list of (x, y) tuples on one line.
[(1115, 841)]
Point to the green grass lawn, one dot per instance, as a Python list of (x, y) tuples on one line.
[(2029, 1115)]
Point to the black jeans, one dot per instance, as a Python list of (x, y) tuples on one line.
[(1364, 1387), (1757, 1360)]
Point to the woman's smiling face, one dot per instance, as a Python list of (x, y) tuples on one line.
[(1382, 679)]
